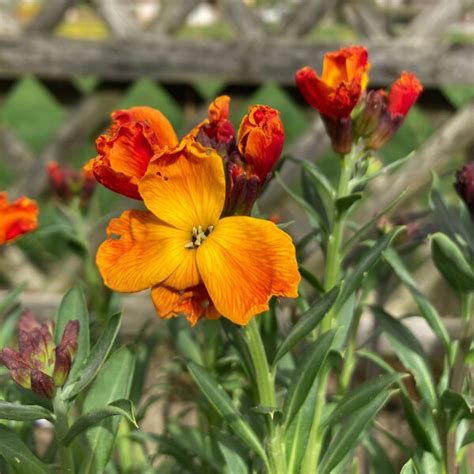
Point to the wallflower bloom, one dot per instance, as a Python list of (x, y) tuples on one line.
[(39, 365), (465, 185), (17, 218), (125, 151), (383, 114), (196, 261), (337, 91)]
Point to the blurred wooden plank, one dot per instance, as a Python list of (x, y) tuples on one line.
[(172, 16), (236, 61), (244, 19), (49, 16), (119, 17)]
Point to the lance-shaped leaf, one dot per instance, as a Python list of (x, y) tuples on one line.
[(410, 353), (348, 435), (222, 403), (312, 195), (14, 411), (410, 468), (304, 374), (93, 418), (8, 325), (10, 298), (308, 321), (427, 310), (344, 203), (18, 456), (73, 308), (96, 358)]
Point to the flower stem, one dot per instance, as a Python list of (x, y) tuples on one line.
[(332, 274), (266, 394), (62, 425)]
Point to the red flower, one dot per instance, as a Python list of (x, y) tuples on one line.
[(126, 150), (17, 218), (403, 94), (336, 92)]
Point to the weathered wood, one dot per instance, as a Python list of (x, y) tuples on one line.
[(9, 25), (172, 16), (50, 15), (180, 60), (17, 154), (244, 20), (118, 16), (433, 20), (365, 19), (454, 136), (306, 15)]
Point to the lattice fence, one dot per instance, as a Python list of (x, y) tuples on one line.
[(58, 84)]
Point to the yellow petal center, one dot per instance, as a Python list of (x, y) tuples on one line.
[(198, 236)]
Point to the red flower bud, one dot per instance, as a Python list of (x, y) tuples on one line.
[(465, 185), (17, 218), (42, 384)]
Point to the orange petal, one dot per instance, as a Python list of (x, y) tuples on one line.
[(17, 218), (243, 263), (141, 251), (185, 187), (194, 303), (162, 128)]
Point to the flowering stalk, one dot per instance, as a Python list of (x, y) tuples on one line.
[(62, 426), (266, 394), (332, 274)]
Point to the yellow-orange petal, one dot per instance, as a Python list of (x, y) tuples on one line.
[(141, 251), (17, 218), (160, 125), (194, 303), (185, 187), (243, 263)]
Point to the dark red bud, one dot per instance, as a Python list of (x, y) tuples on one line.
[(340, 133), (465, 185), (42, 384)]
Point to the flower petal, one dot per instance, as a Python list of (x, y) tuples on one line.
[(243, 263), (185, 187), (17, 218), (141, 251)]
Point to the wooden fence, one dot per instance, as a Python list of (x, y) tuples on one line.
[(254, 53)]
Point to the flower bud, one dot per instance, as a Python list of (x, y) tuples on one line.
[(465, 185), (340, 133), (42, 384), (17, 218)]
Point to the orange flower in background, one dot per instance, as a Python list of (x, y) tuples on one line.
[(125, 151), (404, 93), (336, 92), (196, 261), (261, 137), (65, 183), (17, 218)]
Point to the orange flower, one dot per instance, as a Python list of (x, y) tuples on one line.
[(125, 151), (404, 93), (65, 183), (336, 92), (195, 261), (17, 218), (261, 139)]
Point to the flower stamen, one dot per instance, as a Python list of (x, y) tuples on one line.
[(198, 236)]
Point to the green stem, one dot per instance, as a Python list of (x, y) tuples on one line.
[(266, 395), (332, 274), (62, 426)]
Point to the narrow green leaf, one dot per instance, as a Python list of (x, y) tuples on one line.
[(410, 353), (378, 457), (451, 263), (8, 326), (96, 358), (468, 438), (409, 468), (73, 307), (112, 383), (222, 403), (93, 418), (18, 456), (312, 195), (14, 411), (358, 398), (9, 299), (427, 310), (304, 374), (457, 403), (307, 322), (368, 260), (344, 203), (234, 462), (311, 279), (348, 435)]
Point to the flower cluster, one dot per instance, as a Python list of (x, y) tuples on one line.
[(16, 218), (38, 364), (195, 246), (347, 110)]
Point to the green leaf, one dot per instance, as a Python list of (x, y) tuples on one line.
[(14, 411), (113, 383), (96, 358), (368, 260), (73, 307), (17, 454), (304, 374), (378, 457), (358, 398), (409, 468), (457, 403), (8, 326), (307, 322), (411, 354), (234, 462), (468, 438), (344, 203), (9, 299), (93, 418), (311, 279), (347, 437), (222, 403), (451, 263), (312, 195), (427, 310)]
